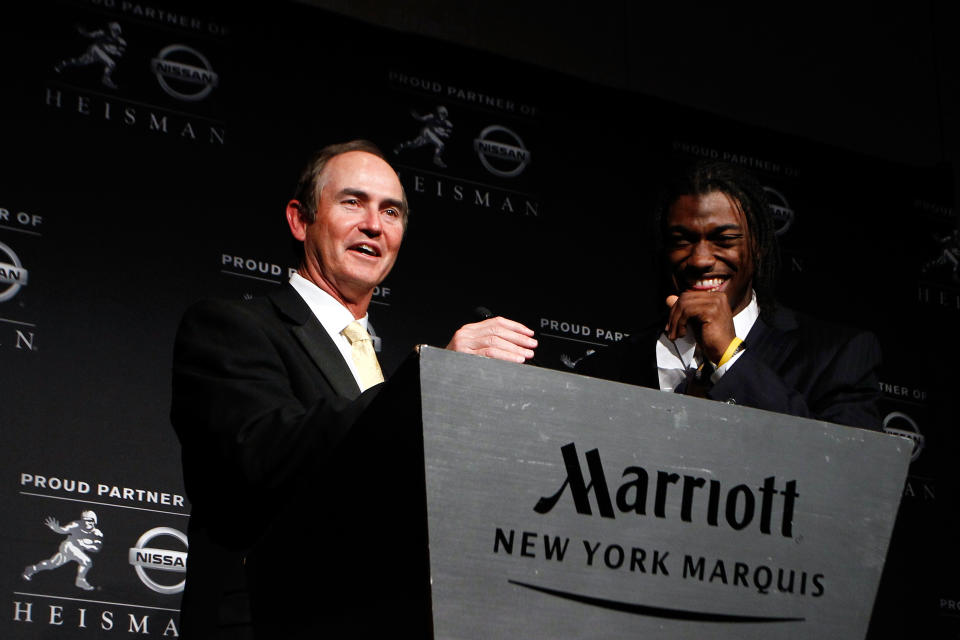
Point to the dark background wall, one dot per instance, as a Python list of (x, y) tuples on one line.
[(880, 79)]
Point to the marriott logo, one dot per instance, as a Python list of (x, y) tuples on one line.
[(698, 498)]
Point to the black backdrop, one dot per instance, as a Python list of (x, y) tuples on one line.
[(121, 205)]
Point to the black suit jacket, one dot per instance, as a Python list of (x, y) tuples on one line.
[(792, 364), (276, 441)]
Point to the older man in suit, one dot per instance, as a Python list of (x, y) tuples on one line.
[(723, 335), (272, 399)]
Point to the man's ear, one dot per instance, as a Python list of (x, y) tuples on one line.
[(298, 226)]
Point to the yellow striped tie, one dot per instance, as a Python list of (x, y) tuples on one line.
[(364, 357)]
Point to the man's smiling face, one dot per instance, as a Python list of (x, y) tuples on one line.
[(352, 244), (708, 247)]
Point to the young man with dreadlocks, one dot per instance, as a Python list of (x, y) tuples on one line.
[(724, 336)]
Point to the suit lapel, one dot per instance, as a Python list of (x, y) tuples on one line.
[(315, 341), (773, 342)]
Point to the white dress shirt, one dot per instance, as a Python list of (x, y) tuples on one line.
[(332, 315), (676, 357)]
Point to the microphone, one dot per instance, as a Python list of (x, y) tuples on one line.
[(482, 313)]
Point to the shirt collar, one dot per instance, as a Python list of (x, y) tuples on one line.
[(331, 314), (743, 321)]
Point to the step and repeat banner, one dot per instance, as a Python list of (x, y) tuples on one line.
[(148, 151)]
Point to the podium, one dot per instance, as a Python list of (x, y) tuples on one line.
[(562, 506)]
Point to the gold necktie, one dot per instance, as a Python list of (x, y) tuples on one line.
[(364, 357)]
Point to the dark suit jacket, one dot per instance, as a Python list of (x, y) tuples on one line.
[(276, 439), (792, 364)]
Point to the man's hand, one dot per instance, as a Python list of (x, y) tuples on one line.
[(53, 524), (707, 314), (498, 338)]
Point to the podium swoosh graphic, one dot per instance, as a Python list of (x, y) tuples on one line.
[(656, 612)]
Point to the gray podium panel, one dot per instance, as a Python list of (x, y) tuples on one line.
[(561, 506)]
